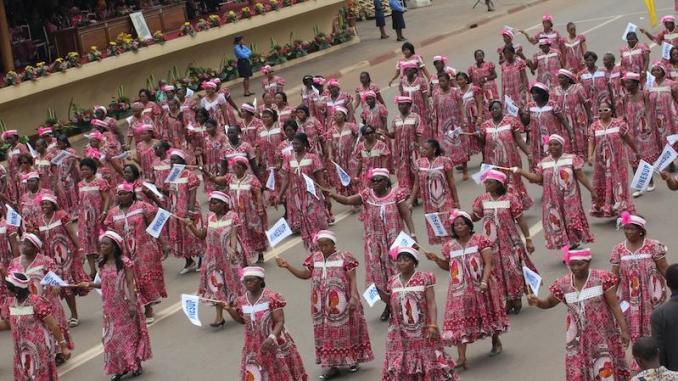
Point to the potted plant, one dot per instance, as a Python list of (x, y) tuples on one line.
[(29, 74), (231, 17), (202, 25), (159, 38), (187, 29), (274, 5), (214, 21), (246, 13), (259, 8), (73, 59), (94, 54), (11, 78), (41, 69)]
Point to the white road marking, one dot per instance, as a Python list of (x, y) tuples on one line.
[(602, 24)]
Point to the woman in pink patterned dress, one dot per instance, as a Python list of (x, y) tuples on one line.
[(310, 96), (31, 321), (405, 132), (546, 63), (414, 349), (474, 106), (607, 137), (574, 47), (92, 209), (305, 212), (223, 259), (67, 176), (475, 304), (339, 327), (416, 87), (125, 335), (434, 179), (249, 124), (29, 204), (635, 57), (43, 165), (671, 65), (340, 140), (499, 136), (213, 152), (546, 32), (483, 75), (334, 98), (640, 264), (596, 84), (508, 36), (373, 113), (15, 149), (440, 64), (285, 112), (144, 151), (594, 345), (58, 232), (447, 118), (409, 57), (8, 244), (173, 124), (271, 83), (572, 100), (371, 152), (135, 122), (563, 215), (386, 213), (269, 353), (217, 104), (514, 82), (130, 218), (269, 136), (502, 215), (662, 104), (614, 75), (313, 129), (366, 85)]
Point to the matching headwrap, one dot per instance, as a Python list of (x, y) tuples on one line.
[(252, 271), (125, 188), (115, 237), (403, 99), (33, 239), (98, 122), (575, 254), (238, 159), (266, 69), (178, 152), (568, 74), (208, 85), (248, 107), (628, 218), (8, 133), (42, 131), (668, 18), (443, 59), (374, 172), (631, 76), (556, 138), (221, 196), (458, 213), (540, 86), (18, 279), (547, 17), (48, 197), (394, 252), (325, 234), (493, 174), (333, 82)]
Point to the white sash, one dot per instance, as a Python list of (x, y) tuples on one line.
[(498, 129), (21, 311), (587, 293), (552, 163), (635, 257), (461, 253), (219, 224), (504, 204), (607, 131), (409, 289), (50, 226)]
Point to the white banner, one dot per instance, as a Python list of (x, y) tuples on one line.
[(630, 27), (532, 279), (436, 224), (189, 304), (667, 157), (310, 185), (484, 168), (270, 182), (624, 305), (32, 151), (643, 176), (158, 222), (153, 189), (666, 50), (672, 139), (278, 232), (403, 240), (371, 295), (121, 156), (13, 218), (51, 279), (343, 176), (175, 173), (511, 107), (649, 82), (60, 157)]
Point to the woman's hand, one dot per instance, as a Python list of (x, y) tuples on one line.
[(353, 303), (590, 161), (65, 352), (430, 256), (625, 338), (529, 245), (532, 299), (483, 286), (282, 262), (268, 344), (432, 332)]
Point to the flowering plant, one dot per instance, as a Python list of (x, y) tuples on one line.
[(11, 78), (230, 71), (113, 49), (214, 21), (29, 73), (41, 69), (274, 5), (287, 3), (94, 54), (187, 29), (231, 16), (59, 65), (259, 8), (159, 38), (201, 25), (246, 13), (73, 59)]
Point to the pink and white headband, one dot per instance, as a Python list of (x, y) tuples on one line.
[(9, 133), (238, 159), (628, 218), (402, 99), (547, 17), (248, 107), (221, 196), (42, 131), (668, 18), (540, 85), (266, 69), (95, 135), (493, 174), (115, 237), (507, 32), (455, 213), (369, 94), (544, 41), (98, 122), (333, 82), (209, 85), (341, 109), (125, 187), (394, 252), (632, 76), (33, 239), (556, 138), (252, 271), (30, 175), (443, 59), (101, 108), (168, 88), (48, 197), (325, 234), (374, 172), (178, 152), (576, 255), (18, 279), (568, 74)]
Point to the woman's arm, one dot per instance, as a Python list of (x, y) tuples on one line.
[(591, 149), (613, 304), (278, 325), (354, 296), (73, 234), (662, 264), (55, 329), (406, 215), (233, 313), (415, 189), (452, 187), (132, 295), (544, 304), (518, 139), (432, 308), (299, 272), (346, 200), (532, 177), (487, 268), (581, 177), (526, 233), (441, 262)]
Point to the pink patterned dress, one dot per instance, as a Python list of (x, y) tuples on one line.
[(44, 168), (67, 176), (435, 192), (573, 50), (640, 283), (146, 154), (474, 117), (471, 315), (134, 126), (315, 131), (195, 143), (548, 65), (141, 248), (221, 265), (283, 363), (89, 213), (597, 89), (645, 135), (512, 82), (243, 149), (329, 105), (213, 155), (219, 109), (543, 123), (6, 256), (13, 154), (184, 243), (563, 215), (34, 347), (610, 169), (447, 111), (161, 168), (373, 116), (382, 224), (267, 142), (343, 141), (30, 209), (341, 335), (126, 340), (284, 114), (173, 129), (376, 156), (59, 247), (407, 130), (361, 90), (305, 212), (574, 104), (476, 73), (245, 194), (418, 91), (663, 113), (249, 130), (593, 349), (671, 70), (499, 226), (516, 47), (633, 60), (410, 355), (614, 77), (274, 85), (500, 149), (311, 99)]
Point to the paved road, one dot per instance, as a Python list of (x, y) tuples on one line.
[(533, 349)]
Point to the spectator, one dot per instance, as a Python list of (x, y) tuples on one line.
[(665, 323), (646, 353), (379, 18), (397, 12), (243, 54)]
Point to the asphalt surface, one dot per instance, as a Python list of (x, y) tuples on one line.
[(534, 346)]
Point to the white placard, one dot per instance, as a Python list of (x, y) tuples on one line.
[(403, 240), (175, 173), (371, 295), (189, 92), (140, 26), (158, 222), (484, 168), (624, 305), (51, 279), (60, 157), (121, 156), (13, 218), (649, 81), (270, 181), (666, 50), (511, 107), (630, 27), (97, 281), (532, 279), (278, 232), (153, 189), (189, 304), (672, 139), (32, 151), (643, 176), (667, 157), (343, 176), (436, 224), (310, 186)]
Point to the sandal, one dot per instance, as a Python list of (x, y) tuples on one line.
[(354, 368), (138, 372), (118, 377), (329, 374), (73, 322), (386, 314)]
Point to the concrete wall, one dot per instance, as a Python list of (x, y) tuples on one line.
[(24, 107)]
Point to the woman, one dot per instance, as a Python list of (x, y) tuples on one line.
[(672, 65), (379, 19), (440, 64), (151, 108), (596, 85), (409, 56), (593, 341), (341, 138), (334, 98), (339, 327), (371, 152), (25, 167), (173, 124), (103, 150), (373, 113), (43, 165), (130, 218), (366, 85), (545, 119), (448, 116), (573, 103), (405, 132), (235, 147), (245, 193), (249, 124), (546, 63), (475, 307), (8, 245), (514, 82), (414, 350), (574, 46), (213, 153), (434, 178), (607, 137), (267, 102), (125, 339), (135, 122), (313, 129), (269, 353), (663, 96), (196, 135), (217, 104), (508, 36), (144, 151), (31, 321), (563, 215), (131, 175), (183, 203), (67, 177), (546, 32), (635, 56), (223, 259), (15, 149), (94, 204), (614, 75), (473, 101), (269, 137), (284, 110), (306, 212), (57, 230), (310, 96), (499, 136), (29, 204), (502, 216), (271, 83), (483, 75), (386, 213), (416, 87), (284, 148)]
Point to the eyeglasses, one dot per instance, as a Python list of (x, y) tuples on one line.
[(604, 110)]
